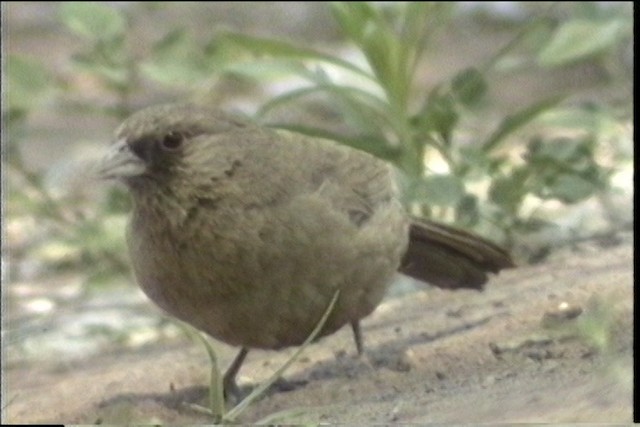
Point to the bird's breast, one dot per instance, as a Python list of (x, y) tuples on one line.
[(262, 277)]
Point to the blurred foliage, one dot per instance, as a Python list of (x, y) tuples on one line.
[(388, 115), (376, 96), (104, 30)]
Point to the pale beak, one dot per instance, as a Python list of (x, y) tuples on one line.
[(121, 162)]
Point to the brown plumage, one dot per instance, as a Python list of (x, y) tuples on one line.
[(247, 232), (451, 258)]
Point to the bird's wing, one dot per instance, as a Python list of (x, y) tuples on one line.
[(355, 182)]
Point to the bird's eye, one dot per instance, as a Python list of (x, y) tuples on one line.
[(172, 141)]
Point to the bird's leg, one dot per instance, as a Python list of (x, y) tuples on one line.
[(357, 336), (229, 380)]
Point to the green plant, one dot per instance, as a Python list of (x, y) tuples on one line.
[(389, 116)]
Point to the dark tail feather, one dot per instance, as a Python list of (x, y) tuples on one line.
[(450, 258)]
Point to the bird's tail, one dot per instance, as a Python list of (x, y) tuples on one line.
[(451, 258)]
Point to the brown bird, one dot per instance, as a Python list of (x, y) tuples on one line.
[(246, 232)]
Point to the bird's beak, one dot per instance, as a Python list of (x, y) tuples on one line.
[(120, 162)]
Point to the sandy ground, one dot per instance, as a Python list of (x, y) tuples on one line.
[(508, 354)]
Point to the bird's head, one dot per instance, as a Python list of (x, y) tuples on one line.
[(155, 141)]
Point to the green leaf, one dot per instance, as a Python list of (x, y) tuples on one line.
[(564, 169), (413, 20), (474, 163), (363, 98), (372, 144), (101, 63), (469, 86), (263, 70), (438, 116), (177, 60), (570, 188), (468, 211), (515, 121), (353, 17), (382, 51), (443, 190), (508, 191), (560, 151), (281, 49), (533, 224), (117, 201), (93, 20), (581, 38), (105, 235), (591, 119), (28, 83)]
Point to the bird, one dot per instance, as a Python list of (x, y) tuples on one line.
[(246, 232)]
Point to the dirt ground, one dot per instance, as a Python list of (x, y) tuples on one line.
[(546, 343)]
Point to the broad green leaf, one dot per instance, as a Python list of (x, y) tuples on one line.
[(570, 188), (581, 38), (93, 20), (562, 151)]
